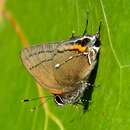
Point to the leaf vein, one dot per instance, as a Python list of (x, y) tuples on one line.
[(109, 35)]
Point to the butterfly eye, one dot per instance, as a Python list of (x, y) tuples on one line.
[(97, 43), (59, 100)]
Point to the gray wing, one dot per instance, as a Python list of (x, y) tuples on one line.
[(38, 61)]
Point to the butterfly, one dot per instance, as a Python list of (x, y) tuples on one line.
[(64, 67)]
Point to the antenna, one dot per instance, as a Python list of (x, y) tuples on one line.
[(99, 28), (86, 26)]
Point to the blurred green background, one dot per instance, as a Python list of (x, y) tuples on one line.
[(53, 20)]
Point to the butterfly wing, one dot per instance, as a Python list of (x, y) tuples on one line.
[(71, 71), (73, 68), (38, 61)]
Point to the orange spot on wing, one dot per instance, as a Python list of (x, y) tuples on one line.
[(56, 91), (79, 48)]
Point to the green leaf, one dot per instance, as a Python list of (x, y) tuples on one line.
[(47, 21)]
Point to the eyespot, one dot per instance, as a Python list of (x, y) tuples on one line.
[(59, 100), (83, 42)]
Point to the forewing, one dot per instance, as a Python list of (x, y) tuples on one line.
[(38, 61)]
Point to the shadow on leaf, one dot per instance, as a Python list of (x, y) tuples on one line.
[(87, 95)]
